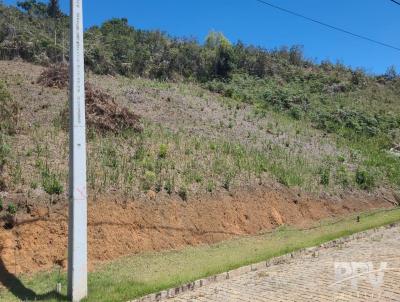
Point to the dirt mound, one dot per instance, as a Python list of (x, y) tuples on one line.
[(118, 228), (56, 76), (103, 112)]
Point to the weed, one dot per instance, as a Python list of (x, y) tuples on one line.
[(5, 150), (169, 186), (140, 153), (342, 176), (210, 186), (16, 172), (34, 185), (198, 178), (11, 209), (109, 155), (324, 174), (148, 180), (183, 193), (51, 184), (163, 150), (365, 179)]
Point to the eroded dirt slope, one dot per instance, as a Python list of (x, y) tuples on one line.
[(118, 227)]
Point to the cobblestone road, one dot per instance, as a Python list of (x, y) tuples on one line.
[(361, 270)]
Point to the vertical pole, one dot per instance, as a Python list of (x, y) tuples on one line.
[(77, 233)]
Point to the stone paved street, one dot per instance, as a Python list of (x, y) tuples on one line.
[(366, 269)]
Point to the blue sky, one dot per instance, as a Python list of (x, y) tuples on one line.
[(257, 24)]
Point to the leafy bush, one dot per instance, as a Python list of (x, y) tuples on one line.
[(162, 152), (11, 209), (284, 98), (365, 179), (325, 173), (169, 186), (358, 122), (51, 184), (210, 186)]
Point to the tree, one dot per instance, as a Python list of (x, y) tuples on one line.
[(296, 56), (33, 8), (391, 73), (223, 53), (53, 9), (54, 12)]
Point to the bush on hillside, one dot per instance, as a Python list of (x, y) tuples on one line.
[(285, 99)]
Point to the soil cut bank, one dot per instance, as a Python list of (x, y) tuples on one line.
[(118, 228)]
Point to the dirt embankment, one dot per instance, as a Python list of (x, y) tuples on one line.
[(39, 241)]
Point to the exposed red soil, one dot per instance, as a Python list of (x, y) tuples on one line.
[(39, 241)]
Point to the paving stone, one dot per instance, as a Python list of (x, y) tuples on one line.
[(313, 278)]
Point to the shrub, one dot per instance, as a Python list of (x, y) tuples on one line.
[(11, 209), (228, 178), (358, 122), (365, 179), (169, 186), (210, 186), (1, 204), (51, 184), (162, 152), (325, 173), (284, 98), (34, 185), (296, 113)]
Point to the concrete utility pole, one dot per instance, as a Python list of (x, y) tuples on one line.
[(77, 232)]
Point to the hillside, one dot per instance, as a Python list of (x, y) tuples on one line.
[(232, 139), (334, 124)]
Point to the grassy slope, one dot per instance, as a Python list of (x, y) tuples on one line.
[(138, 275), (195, 142), (320, 127)]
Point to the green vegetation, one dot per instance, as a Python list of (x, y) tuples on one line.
[(8, 111), (51, 184), (139, 275), (137, 162), (11, 209), (356, 113), (357, 110)]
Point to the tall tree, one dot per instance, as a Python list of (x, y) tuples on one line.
[(54, 12), (33, 7), (53, 9)]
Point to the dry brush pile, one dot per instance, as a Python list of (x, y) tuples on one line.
[(103, 113)]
